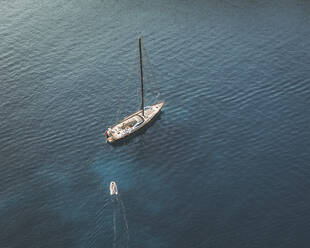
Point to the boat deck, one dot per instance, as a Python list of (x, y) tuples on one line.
[(133, 122)]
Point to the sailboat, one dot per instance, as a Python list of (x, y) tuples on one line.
[(137, 120)]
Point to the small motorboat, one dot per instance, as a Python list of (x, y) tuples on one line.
[(113, 188)]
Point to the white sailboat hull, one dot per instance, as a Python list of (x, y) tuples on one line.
[(133, 123)]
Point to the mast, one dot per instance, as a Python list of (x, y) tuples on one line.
[(141, 75)]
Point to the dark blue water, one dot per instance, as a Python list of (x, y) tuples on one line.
[(225, 165)]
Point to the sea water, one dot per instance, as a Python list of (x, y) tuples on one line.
[(226, 164)]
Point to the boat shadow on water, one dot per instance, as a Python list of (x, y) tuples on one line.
[(126, 140)]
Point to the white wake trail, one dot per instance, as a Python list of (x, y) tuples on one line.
[(124, 218)]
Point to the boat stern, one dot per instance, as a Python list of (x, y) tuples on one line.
[(109, 136), (109, 140)]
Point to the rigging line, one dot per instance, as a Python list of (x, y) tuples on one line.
[(122, 100), (152, 72), (136, 72), (149, 80), (137, 96), (138, 75)]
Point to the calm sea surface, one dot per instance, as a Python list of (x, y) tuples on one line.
[(226, 164)]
